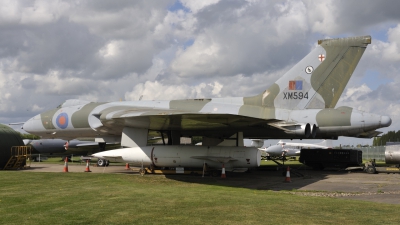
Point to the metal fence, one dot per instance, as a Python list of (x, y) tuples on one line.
[(373, 152), (378, 152)]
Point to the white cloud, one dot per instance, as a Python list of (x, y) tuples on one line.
[(155, 90), (199, 59), (158, 91), (322, 16), (216, 88), (42, 11), (53, 83), (353, 93), (254, 40), (34, 13), (51, 51), (391, 52), (196, 6), (9, 12), (292, 20), (36, 108), (111, 49)]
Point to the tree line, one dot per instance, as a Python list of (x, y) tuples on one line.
[(29, 136), (391, 136)]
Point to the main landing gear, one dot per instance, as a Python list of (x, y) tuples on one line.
[(102, 162)]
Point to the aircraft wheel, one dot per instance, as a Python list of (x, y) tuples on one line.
[(370, 170), (107, 163), (101, 162)]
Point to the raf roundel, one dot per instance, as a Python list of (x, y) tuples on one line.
[(62, 120)]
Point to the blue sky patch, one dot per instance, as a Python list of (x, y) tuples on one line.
[(374, 80), (178, 6), (188, 43)]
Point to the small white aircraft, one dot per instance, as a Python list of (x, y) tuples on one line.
[(283, 149)]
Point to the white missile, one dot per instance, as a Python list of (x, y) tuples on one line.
[(185, 156)]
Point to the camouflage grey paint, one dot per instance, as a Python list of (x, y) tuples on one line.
[(301, 100), (47, 119), (342, 57), (334, 117), (79, 118)]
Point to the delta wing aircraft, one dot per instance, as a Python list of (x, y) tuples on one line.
[(299, 105), (43, 148), (283, 149)]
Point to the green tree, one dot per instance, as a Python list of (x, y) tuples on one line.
[(29, 136), (391, 136), (196, 139)]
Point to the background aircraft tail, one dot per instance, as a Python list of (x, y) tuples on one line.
[(327, 143), (318, 80)]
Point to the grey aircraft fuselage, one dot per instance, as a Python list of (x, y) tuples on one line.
[(60, 147), (82, 120)]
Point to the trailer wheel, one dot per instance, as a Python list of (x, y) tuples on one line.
[(370, 170)]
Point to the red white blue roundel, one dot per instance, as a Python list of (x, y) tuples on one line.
[(62, 120)]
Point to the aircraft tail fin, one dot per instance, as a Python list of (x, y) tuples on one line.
[(318, 80), (327, 143), (257, 143)]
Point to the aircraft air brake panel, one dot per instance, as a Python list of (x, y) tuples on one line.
[(392, 154)]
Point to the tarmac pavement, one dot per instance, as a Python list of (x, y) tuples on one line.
[(381, 188)]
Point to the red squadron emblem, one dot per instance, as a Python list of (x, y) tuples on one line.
[(321, 57)]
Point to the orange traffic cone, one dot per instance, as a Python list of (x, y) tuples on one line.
[(127, 166), (223, 172), (66, 164), (87, 166), (287, 179)]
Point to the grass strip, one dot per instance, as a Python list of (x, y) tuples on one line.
[(82, 198)]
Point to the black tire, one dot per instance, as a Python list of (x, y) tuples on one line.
[(370, 170), (101, 162), (107, 163)]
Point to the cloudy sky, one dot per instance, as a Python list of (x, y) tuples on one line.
[(51, 51)]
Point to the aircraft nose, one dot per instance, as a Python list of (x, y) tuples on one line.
[(33, 124), (274, 149), (386, 121)]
